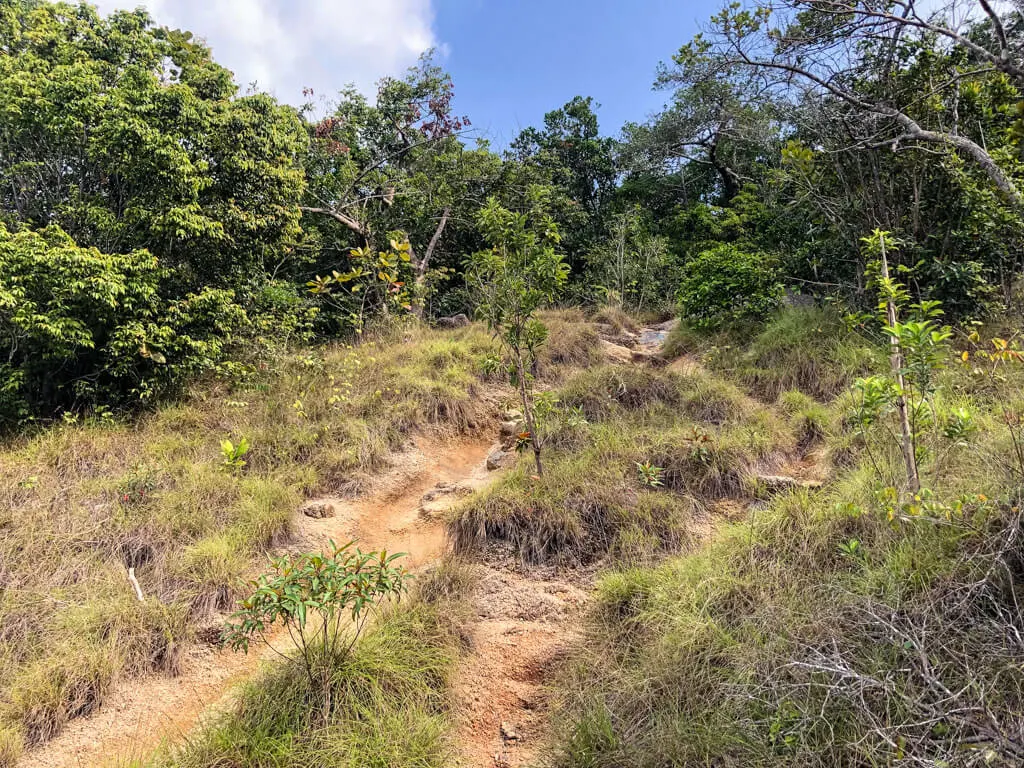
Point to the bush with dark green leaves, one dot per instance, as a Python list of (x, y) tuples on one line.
[(727, 283), (144, 206), (81, 326)]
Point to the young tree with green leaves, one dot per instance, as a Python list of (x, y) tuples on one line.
[(521, 272), (323, 601)]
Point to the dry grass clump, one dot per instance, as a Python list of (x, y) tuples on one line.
[(617, 319), (572, 344), (82, 502), (593, 499), (603, 390), (581, 510)]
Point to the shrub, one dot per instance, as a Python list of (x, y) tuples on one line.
[(89, 327), (727, 283), (389, 693), (311, 595)]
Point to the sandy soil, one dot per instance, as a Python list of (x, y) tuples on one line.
[(523, 625)]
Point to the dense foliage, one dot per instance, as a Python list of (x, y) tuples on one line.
[(861, 160), (791, 131)]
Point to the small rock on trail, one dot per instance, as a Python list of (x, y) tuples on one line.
[(499, 458), (522, 627), (318, 509)]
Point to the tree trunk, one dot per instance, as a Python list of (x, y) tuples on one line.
[(424, 263), (356, 226), (730, 179), (528, 412), (896, 363)]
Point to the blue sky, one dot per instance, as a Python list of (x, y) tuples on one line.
[(512, 60)]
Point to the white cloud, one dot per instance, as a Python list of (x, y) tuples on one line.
[(286, 45)]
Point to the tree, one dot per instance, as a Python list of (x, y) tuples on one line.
[(632, 267), (515, 277), (727, 123), (397, 166), (846, 50), (128, 136), (569, 155)]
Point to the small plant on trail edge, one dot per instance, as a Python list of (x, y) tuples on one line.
[(138, 486), (851, 549), (519, 274), (311, 595), (650, 475), (234, 460), (700, 445), (919, 350)]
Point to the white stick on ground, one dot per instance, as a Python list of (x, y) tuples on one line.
[(135, 583)]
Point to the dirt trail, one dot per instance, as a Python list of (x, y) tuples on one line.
[(523, 624), (141, 713), (522, 621)]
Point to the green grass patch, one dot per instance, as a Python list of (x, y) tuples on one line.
[(808, 349), (832, 627)]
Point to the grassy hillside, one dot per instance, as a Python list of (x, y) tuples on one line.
[(831, 626), (738, 619), (82, 501)]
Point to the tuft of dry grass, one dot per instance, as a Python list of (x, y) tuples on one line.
[(617, 319), (704, 436), (572, 344)]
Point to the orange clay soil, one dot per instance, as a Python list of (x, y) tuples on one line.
[(522, 625)]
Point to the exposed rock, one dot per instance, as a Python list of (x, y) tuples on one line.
[(509, 733), (512, 415), (668, 325), (453, 321), (616, 352), (498, 458), (318, 509), (510, 428), (781, 483), (446, 489)]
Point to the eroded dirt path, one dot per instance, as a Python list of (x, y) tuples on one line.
[(142, 713), (523, 623)]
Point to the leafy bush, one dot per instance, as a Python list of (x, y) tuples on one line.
[(311, 594), (129, 136), (389, 694), (727, 283), (85, 326)]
